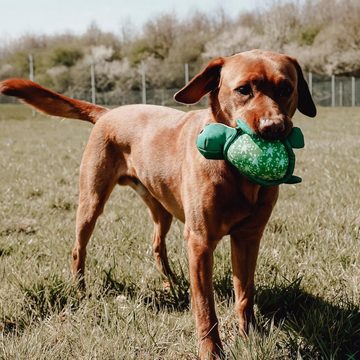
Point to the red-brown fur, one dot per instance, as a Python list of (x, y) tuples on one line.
[(152, 149), (50, 102)]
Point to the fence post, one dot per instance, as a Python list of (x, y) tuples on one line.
[(332, 90), (143, 82), (31, 76), (341, 92), (353, 94), (162, 97), (186, 73), (310, 82), (31, 67), (93, 88)]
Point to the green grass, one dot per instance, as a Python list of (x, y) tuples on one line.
[(308, 273)]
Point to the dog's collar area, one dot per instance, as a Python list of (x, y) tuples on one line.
[(265, 162)]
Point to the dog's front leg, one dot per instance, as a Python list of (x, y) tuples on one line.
[(245, 243), (200, 252), (244, 251)]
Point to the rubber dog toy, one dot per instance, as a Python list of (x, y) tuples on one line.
[(265, 162)]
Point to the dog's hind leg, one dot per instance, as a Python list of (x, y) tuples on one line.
[(162, 222), (97, 180)]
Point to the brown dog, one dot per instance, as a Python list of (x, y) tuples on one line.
[(152, 149)]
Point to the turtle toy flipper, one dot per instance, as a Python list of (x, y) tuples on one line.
[(296, 141), (293, 180), (296, 138), (265, 162), (211, 140)]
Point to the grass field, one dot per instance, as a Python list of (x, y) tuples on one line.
[(308, 273)]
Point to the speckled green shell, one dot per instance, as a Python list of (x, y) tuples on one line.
[(258, 158)]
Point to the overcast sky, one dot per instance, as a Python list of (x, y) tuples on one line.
[(18, 17)]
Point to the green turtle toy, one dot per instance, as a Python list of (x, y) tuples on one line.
[(265, 162)]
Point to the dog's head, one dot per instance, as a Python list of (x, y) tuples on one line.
[(261, 87)]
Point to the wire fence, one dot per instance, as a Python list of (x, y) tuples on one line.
[(335, 90), (326, 90)]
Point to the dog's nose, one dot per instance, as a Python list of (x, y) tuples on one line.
[(271, 128)]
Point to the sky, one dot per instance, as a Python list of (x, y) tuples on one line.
[(19, 17)]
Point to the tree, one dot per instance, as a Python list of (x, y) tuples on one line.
[(65, 57)]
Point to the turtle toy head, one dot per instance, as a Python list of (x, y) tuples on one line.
[(265, 162)]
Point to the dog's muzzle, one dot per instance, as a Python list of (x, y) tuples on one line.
[(272, 129)]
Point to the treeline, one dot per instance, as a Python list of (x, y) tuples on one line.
[(324, 35)]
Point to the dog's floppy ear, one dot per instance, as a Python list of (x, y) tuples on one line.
[(204, 82), (305, 102)]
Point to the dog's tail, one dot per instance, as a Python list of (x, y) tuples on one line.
[(50, 102)]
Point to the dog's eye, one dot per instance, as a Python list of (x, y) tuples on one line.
[(244, 89), (285, 90)]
